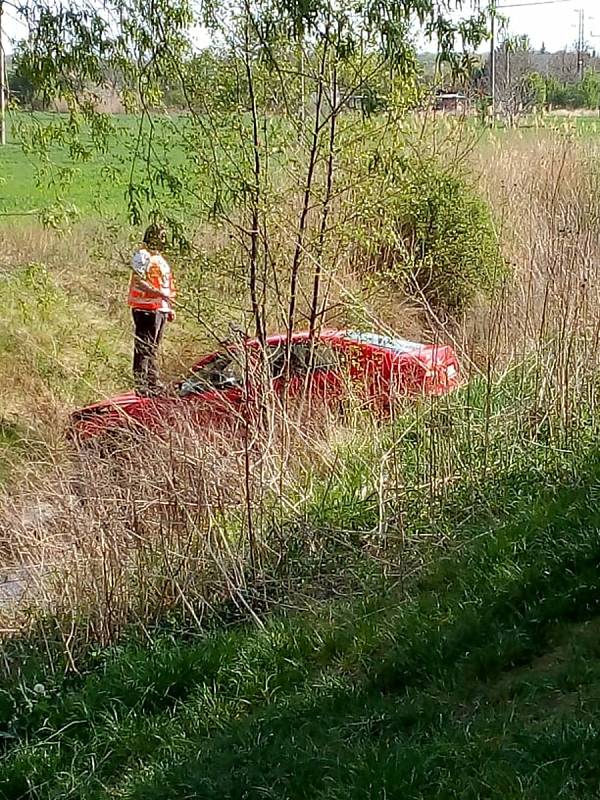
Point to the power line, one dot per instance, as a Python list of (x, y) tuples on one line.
[(535, 3), (2, 84)]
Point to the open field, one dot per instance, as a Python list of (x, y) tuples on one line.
[(94, 182), (97, 187), (348, 608), (23, 190)]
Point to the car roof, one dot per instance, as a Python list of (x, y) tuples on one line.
[(385, 342), (341, 336), (358, 337)]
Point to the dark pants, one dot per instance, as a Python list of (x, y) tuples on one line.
[(149, 329)]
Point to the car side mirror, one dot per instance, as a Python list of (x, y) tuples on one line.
[(227, 382)]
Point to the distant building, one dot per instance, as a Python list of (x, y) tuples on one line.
[(452, 103)]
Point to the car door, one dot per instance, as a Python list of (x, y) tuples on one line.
[(153, 414), (369, 370), (315, 375)]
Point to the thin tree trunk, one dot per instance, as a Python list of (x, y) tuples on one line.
[(300, 239), (255, 197), (314, 307)]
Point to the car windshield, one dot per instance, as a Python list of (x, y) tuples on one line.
[(223, 371), (388, 342)]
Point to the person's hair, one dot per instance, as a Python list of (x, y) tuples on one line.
[(155, 236)]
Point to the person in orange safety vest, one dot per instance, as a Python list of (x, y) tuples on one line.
[(151, 294)]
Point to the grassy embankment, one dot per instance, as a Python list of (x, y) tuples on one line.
[(481, 679), (460, 658)]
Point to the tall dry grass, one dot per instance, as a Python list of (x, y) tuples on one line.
[(195, 522), (185, 523), (545, 193)]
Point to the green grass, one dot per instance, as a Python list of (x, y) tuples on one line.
[(95, 184), (78, 172), (482, 679), (580, 125), (57, 351), (24, 191), (55, 343), (577, 124), (25, 188), (13, 444)]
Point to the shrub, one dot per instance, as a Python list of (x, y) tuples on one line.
[(448, 233), (426, 230)]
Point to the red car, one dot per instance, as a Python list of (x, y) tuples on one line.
[(223, 385)]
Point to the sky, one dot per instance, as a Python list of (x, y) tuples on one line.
[(553, 24), (549, 22)]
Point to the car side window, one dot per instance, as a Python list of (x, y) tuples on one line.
[(323, 357), (277, 360), (276, 357), (327, 357), (224, 371)]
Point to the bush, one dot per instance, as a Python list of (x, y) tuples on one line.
[(425, 229), (448, 236)]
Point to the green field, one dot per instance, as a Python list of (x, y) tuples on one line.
[(25, 188), (98, 186), (94, 182), (23, 191)]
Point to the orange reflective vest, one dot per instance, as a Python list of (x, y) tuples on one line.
[(153, 269)]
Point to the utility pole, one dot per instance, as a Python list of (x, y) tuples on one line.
[(580, 42), (2, 86), (493, 57), (595, 36), (493, 6)]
